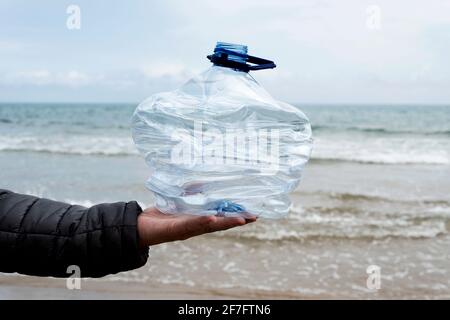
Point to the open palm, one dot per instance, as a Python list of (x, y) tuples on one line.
[(155, 227)]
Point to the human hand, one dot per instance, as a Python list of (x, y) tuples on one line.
[(155, 227)]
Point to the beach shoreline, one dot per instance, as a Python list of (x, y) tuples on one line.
[(317, 269)]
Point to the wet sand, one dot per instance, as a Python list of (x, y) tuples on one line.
[(35, 288)]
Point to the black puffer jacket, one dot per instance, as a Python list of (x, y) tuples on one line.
[(44, 237)]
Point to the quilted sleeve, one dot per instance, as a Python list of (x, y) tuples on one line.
[(44, 237)]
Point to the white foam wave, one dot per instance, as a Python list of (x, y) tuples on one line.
[(312, 223), (383, 150), (81, 145), (374, 150)]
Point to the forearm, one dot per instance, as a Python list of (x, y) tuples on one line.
[(43, 237)]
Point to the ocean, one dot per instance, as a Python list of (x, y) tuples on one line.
[(376, 192)]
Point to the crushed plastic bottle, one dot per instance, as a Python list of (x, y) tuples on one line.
[(220, 144)]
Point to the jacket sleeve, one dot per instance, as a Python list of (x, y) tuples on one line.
[(44, 237)]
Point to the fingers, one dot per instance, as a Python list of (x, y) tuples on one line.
[(224, 223), (195, 226), (250, 220)]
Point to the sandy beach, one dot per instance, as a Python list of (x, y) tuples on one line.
[(325, 272)]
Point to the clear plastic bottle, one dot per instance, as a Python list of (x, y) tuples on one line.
[(221, 144)]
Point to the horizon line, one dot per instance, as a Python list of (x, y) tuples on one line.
[(292, 103)]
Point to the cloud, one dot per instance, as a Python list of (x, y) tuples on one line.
[(44, 77), (323, 49), (168, 70), (161, 72)]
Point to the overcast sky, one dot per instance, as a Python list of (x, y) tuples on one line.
[(326, 51)]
